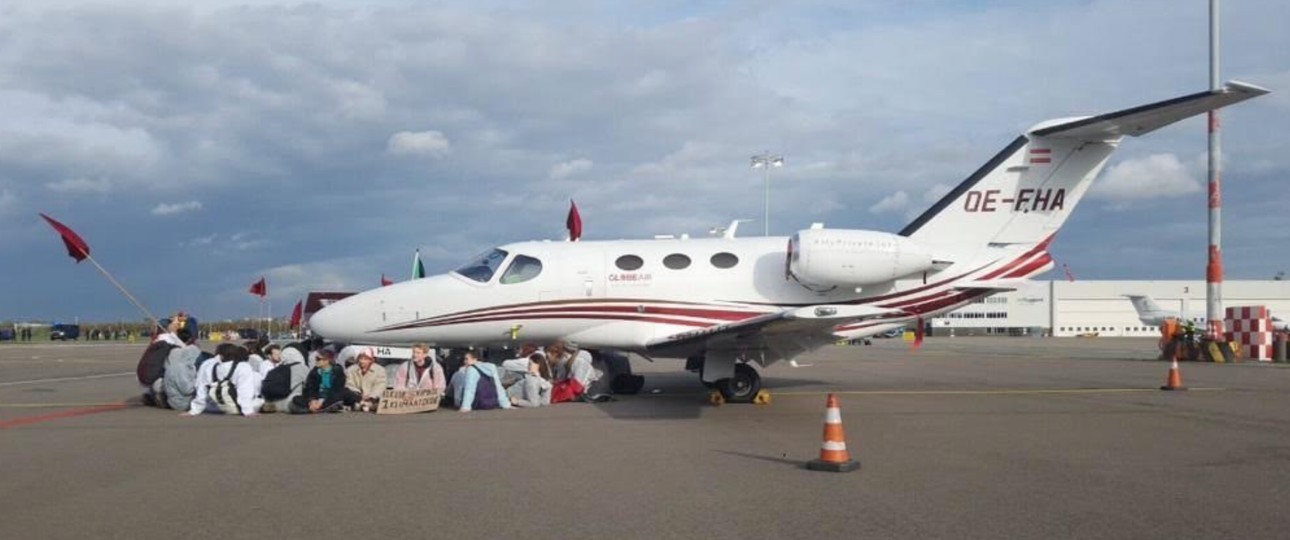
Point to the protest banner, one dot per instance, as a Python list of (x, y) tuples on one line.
[(408, 401)]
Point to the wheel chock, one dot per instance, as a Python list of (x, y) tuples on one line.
[(762, 398), (716, 398)]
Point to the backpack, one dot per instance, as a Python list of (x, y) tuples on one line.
[(277, 382), (152, 365), (485, 393), (223, 392), (566, 390)]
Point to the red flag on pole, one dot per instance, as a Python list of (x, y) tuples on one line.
[(1069, 276), (573, 222), (296, 314), (386, 282), (918, 334), (76, 247), (260, 288)]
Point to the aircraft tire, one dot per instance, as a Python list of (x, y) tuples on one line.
[(743, 387)]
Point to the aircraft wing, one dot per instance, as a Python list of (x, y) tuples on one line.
[(995, 285), (767, 338), (1147, 118)]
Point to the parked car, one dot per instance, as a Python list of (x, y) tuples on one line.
[(248, 333), (63, 332), (893, 333)]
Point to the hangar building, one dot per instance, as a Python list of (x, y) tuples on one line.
[(1071, 308)]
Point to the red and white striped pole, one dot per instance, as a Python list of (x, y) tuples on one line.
[(1214, 269)]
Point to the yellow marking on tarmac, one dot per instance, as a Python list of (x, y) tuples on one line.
[(1001, 392)]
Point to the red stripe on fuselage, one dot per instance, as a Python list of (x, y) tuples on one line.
[(538, 317), (567, 307)]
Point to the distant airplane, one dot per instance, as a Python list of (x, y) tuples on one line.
[(725, 303), (1151, 314)]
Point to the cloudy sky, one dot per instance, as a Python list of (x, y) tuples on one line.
[(198, 147)]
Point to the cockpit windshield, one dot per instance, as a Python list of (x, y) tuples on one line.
[(522, 269), (482, 267)]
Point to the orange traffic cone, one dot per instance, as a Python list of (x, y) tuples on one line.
[(833, 451), (1174, 382)]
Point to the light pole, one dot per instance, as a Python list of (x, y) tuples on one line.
[(765, 161)]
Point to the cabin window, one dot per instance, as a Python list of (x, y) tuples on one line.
[(724, 260), (522, 269), (676, 261), (482, 267), (629, 263)]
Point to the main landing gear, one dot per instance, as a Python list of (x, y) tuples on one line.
[(738, 382)]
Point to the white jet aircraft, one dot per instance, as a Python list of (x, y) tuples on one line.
[(723, 303), (1151, 314)]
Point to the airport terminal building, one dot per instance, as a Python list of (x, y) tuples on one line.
[(1072, 308)]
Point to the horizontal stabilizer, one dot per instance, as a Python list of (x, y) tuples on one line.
[(1147, 118)]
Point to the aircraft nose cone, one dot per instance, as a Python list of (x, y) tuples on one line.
[(329, 323)]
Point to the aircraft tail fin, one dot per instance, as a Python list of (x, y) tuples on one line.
[(1024, 194), (1145, 305)]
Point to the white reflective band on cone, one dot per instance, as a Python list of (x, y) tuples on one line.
[(834, 446), (832, 416)]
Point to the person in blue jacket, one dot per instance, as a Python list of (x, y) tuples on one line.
[(465, 383)]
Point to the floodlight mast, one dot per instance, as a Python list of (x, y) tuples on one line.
[(765, 161)]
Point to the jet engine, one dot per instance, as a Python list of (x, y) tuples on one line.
[(853, 258)]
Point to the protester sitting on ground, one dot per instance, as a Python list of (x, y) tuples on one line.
[(255, 355), (578, 366), (534, 387), (348, 355), (283, 378), (514, 369), (179, 382), (227, 384), (170, 328), (316, 345), (469, 393), (324, 387), (422, 372), (152, 364), (366, 379), (582, 366)]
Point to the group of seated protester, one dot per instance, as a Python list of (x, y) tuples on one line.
[(308, 378)]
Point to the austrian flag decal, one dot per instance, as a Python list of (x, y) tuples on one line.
[(1041, 155)]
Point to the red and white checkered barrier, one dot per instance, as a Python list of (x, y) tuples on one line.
[(1251, 327)]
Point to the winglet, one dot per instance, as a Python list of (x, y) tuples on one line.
[(1144, 119)]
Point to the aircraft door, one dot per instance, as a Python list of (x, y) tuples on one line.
[(578, 280)]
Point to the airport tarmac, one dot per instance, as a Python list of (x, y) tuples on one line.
[(966, 438)]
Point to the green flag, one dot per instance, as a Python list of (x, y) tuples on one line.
[(418, 269)]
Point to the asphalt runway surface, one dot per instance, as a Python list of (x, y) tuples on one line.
[(966, 438)]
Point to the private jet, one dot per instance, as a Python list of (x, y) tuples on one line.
[(727, 304)]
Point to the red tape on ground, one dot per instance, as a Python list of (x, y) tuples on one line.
[(16, 422)]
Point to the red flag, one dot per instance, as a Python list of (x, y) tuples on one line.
[(260, 288), (918, 334), (296, 314), (386, 282), (573, 222), (1069, 276), (76, 247)]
